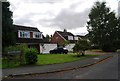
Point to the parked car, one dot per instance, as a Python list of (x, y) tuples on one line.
[(59, 50)]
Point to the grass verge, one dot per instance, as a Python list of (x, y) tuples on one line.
[(60, 58), (118, 50), (46, 59)]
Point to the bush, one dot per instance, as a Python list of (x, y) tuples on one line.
[(8, 49), (28, 55), (109, 48), (11, 48), (13, 58), (23, 48), (117, 44), (81, 46), (31, 56), (94, 47)]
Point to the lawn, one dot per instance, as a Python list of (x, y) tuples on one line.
[(45, 59), (0, 62), (118, 50)]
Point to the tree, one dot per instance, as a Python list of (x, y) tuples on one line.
[(81, 46), (118, 35), (118, 28), (7, 26), (102, 27), (66, 42), (47, 38)]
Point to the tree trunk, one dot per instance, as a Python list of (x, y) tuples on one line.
[(83, 53)]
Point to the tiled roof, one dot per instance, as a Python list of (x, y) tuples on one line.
[(19, 27), (65, 34)]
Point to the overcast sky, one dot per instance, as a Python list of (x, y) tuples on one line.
[(55, 15)]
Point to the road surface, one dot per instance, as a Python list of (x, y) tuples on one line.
[(107, 69)]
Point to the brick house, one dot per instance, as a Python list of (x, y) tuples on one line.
[(28, 35), (60, 37)]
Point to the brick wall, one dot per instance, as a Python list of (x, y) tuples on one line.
[(56, 38)]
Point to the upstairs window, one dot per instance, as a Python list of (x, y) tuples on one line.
[(70, 37), (24, 34), (76, 38), (37, 35)]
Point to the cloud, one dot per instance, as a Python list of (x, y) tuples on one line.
[(67, 16), (54, 14), (48, 14), (119, 9), (42, 1), (25, 20), (71, 20)]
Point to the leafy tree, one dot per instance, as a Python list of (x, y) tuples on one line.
[(118, 28), (47, 38), (66, 42), (81, 46), (7, 26), (102, 27), (118, 35)]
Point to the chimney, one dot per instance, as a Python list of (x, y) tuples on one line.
[(64, 30)]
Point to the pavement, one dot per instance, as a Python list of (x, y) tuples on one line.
[(30, 70)]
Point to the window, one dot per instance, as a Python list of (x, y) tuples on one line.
[(70, 37), (76, 38), (37, 35), (24, 34)]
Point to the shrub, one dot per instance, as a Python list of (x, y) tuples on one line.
[(94, 47), (31, 56), (8, 49), (109, 48), (14, 59), (28, 55), (117, 44), (11, 48), (23, 48), (81, 46)]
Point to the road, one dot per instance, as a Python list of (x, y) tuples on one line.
[(107, 69)]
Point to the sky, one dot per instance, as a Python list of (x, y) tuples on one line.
[(119, 9), (55, 15)]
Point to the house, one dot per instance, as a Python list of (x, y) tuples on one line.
[(60, 37), (63, 37), (33, 38), (28, 35)]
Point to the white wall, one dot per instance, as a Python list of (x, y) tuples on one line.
[(47, 47), (70, 46)]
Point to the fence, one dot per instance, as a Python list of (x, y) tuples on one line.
[(14, 56)]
